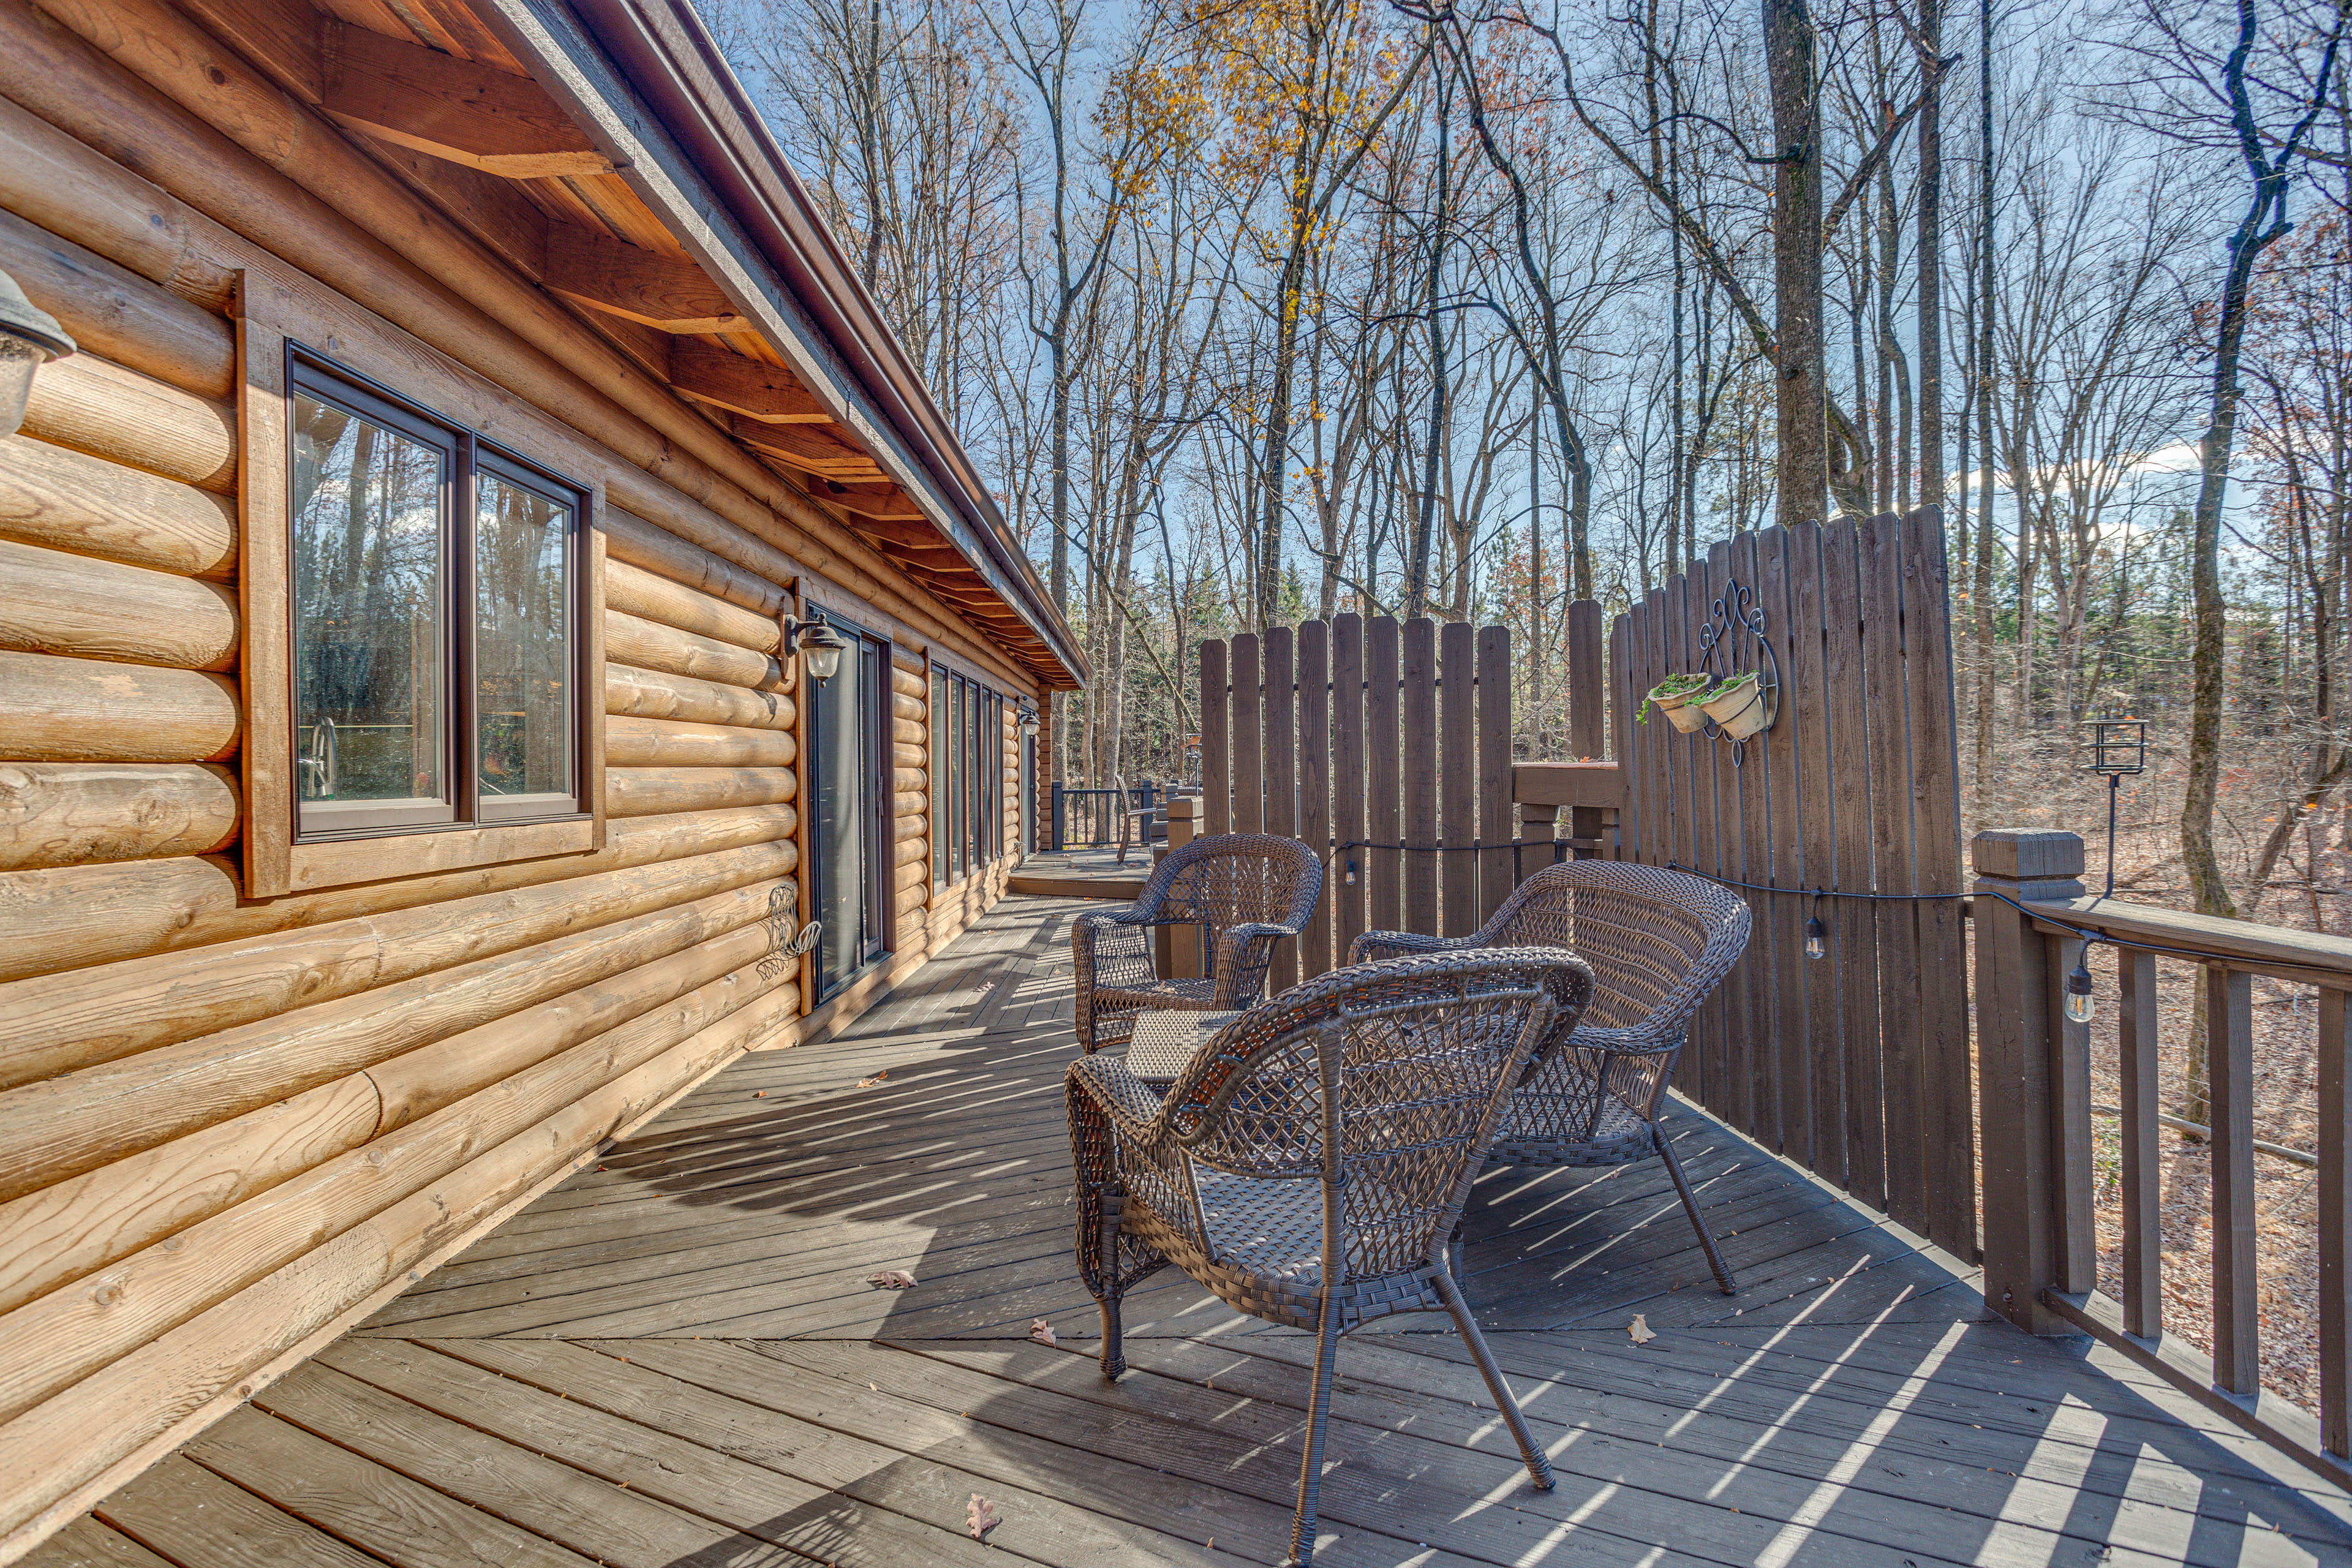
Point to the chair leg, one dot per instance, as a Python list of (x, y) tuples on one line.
[(1690, 1206), (1114, 1352), (1114, 1348), (1319, 1416), (1539, 1467)]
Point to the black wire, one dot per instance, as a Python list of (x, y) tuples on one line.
[(2085, 936)]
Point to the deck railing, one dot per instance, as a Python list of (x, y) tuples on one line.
[(1092, 818), (2041, 1252)]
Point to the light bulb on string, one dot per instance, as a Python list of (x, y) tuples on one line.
[(2080, 1007), (1816, 935)]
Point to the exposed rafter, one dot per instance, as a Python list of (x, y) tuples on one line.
[(639, 285), (453, 109), (768, 392)]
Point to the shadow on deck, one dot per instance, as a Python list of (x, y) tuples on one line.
[(674, 1359)]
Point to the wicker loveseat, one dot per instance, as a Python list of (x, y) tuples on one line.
[(1658, 943), (1244, 891), (1310, 1163)]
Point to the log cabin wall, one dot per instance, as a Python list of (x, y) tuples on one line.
[(231, 1126)]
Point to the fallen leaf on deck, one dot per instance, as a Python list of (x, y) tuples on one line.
[(891, 1279), (1042, 1332), (980, 1517), (878, 1078), (1639, 1331), (758, 1094)]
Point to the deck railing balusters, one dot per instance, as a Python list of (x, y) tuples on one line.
[(2041, 1257), (2229, 1068), (2143, 1209), (2078, 1241)]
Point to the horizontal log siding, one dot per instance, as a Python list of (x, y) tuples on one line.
[(229, 1128)]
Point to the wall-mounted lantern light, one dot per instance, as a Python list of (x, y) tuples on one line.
[(29, 338), (1029, 720), (816, 642)]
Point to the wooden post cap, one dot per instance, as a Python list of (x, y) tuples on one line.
[(1183, 807), (2026, 854)]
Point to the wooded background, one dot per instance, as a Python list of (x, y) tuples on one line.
[(1268, 311)]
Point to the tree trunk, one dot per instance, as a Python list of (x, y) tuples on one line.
[(1931, 256), (1802, 468)]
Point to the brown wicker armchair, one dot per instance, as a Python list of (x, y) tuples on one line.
[(1658, 942), (1244, 890), (1310, 1163)]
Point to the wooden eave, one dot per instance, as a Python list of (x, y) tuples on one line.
[(514, 123)]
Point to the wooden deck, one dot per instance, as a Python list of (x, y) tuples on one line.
[(674, 1359)]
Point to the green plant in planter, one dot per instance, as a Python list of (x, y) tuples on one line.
[(1673, 691)]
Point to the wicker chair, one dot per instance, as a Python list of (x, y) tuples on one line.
[(1245, 891), (1308, 1164), (1658, 942)]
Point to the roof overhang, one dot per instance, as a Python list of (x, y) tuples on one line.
[(648, 80)]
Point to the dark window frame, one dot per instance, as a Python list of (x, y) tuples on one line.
[(465, 454)]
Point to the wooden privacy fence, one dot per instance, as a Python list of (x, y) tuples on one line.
[(1387, 747), (1855, 1064)]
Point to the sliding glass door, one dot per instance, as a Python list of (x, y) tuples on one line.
[(849, 806)]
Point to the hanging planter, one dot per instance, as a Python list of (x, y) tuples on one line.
[(1677, 696), (1742, 705)]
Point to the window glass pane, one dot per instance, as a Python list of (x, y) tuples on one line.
[(368, 638), (839, 803), (939, 762), (955, 777), (972, 772), (522, 670)]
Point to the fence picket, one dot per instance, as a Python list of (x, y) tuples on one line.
[(1417, 706), (1216, 763), (1249, 737), (1314, 784), (1773, 756), (1383, 726), (1348, 772), (1901, 1070), (1948, 1125), (1805, 705), (1497, 819), (1457, 760), (1744, 804), (1278, 713)]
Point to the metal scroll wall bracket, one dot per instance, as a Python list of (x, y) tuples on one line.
[(785, 945), (1733, 643)]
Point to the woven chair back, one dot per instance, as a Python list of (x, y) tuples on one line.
[(1654, 937), (1387, 1080), (1234, 878)]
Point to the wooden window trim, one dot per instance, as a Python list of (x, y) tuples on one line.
[(277, 860)]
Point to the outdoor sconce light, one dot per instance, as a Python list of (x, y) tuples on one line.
[(817, 643), (1029, 721), (29, 338)]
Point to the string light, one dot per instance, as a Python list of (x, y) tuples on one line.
[(1816, 935), (2079, 1005)]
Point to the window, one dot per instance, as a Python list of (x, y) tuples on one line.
[(968, 763), (436, 600), (938, 761)]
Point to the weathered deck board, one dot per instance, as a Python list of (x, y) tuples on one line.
[(675, 1358)]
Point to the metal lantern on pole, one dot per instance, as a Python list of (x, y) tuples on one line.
[(2117, 749)]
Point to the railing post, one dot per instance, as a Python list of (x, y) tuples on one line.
[(1057, 815), (2021, 1070), (1183, 941)]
